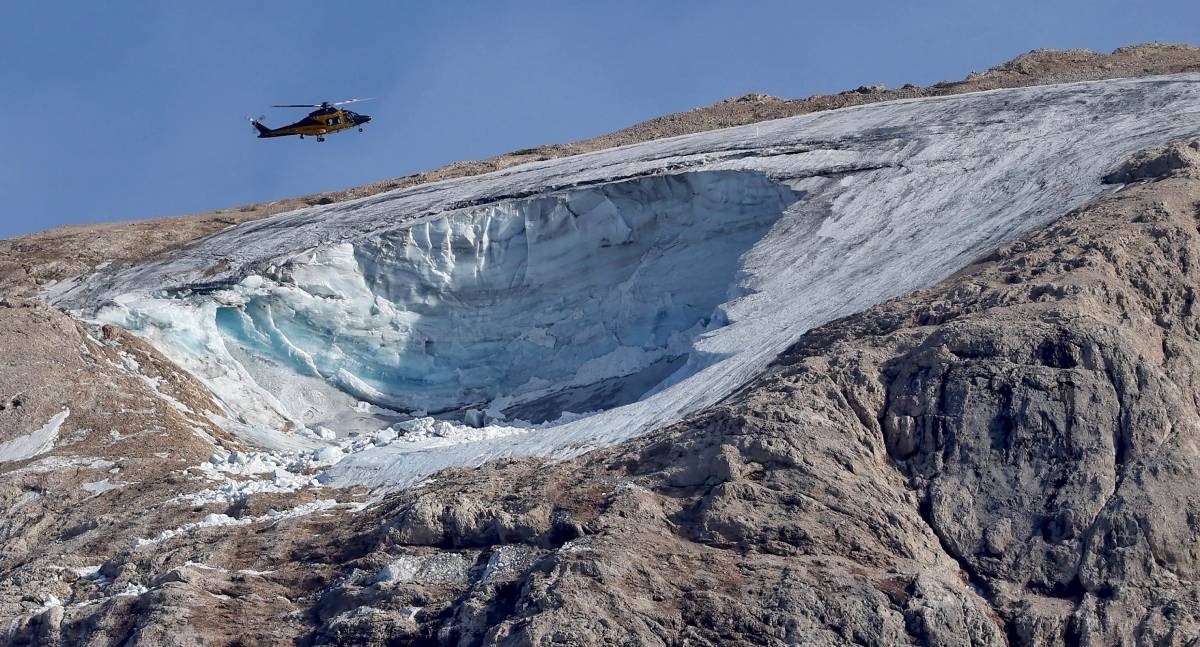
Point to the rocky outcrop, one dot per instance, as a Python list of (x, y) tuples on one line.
[(1042, 409)]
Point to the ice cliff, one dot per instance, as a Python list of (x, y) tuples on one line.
[(572, 303)]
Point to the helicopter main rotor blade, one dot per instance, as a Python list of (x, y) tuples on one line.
[(321, 105)]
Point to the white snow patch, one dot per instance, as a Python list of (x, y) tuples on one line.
[(214, 520), (508, 561), (426, 433), (210, 521), (301, 510), (202, 566), (96, 488), (38, 442), (279, 471), (57, 463), (131, 589), (437, 568), (88, 572), (580, 545)]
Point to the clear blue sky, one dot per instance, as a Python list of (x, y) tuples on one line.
[(124, 110)]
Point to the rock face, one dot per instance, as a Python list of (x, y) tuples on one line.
[(1009, 457)]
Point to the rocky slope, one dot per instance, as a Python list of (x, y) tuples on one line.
[(1006, 458)]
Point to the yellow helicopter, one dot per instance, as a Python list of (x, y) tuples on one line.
[(327, 118)]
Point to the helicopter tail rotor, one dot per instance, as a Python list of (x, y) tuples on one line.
[(259, 128)]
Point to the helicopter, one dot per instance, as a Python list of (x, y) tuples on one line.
[(327, 118)]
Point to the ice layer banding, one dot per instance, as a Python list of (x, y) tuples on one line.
[(527, 309)]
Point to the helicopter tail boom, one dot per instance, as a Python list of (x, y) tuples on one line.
[(263, 131)]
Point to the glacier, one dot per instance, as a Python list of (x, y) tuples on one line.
[(511, 302), (558, 306)]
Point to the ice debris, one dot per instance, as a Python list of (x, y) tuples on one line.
[(213, 520)]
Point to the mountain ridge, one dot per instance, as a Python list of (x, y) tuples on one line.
[(33, 260), (1005, 457)]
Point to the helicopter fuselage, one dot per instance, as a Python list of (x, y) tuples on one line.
[(317, 124)]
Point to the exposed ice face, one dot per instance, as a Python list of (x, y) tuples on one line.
[(649, 280), (576, 301), (581, 300)]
